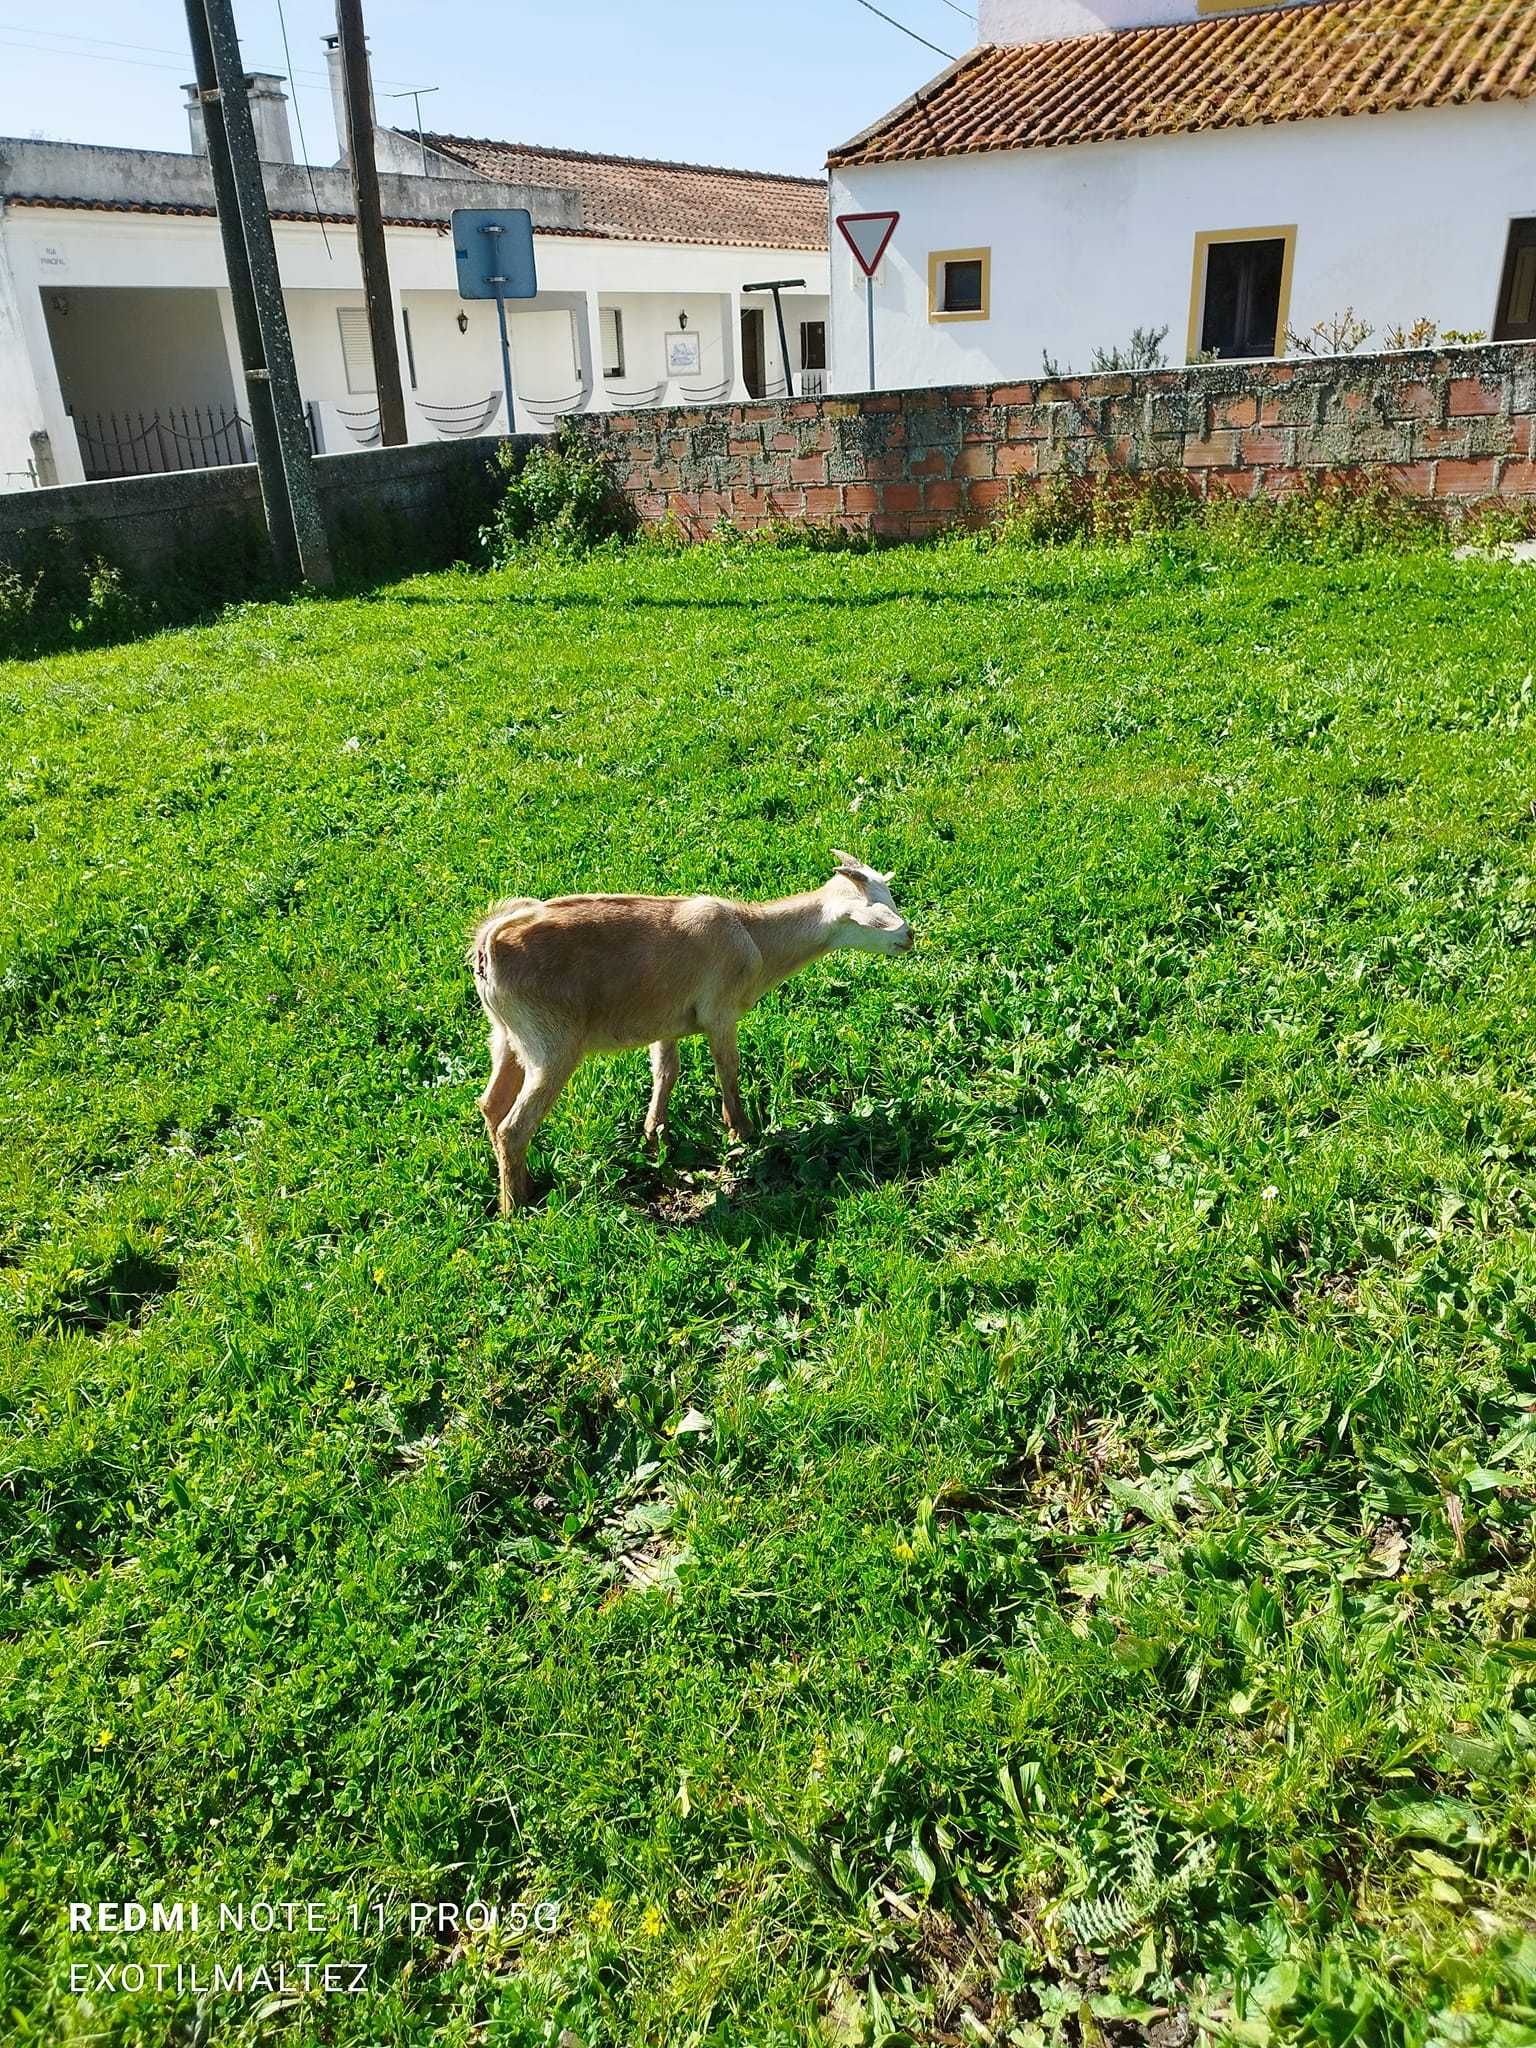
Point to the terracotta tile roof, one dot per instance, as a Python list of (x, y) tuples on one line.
[(187, 210), (633, 199), (1227, 71)]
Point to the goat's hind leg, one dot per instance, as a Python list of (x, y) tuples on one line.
[(501, 1091), (536, 1098), (664, 1070)]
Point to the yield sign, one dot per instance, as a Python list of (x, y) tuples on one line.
[(868, 236)]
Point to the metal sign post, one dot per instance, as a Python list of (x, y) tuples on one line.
[(868, 235), (506, 354), (493, 248)]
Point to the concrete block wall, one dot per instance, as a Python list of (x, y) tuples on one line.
[(1452, 424), (426, 502)]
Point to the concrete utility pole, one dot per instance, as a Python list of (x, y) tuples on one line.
[(358, 92), (253, 361), (247, 229)]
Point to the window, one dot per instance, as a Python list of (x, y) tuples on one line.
[(1516, 317), (959, 284), (1241, 292), (612, 323), (813, 344), (356, 348)]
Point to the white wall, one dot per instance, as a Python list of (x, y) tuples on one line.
[(77, 251), (1398, 215), (1043, 21), (22, 409), (137, 349)]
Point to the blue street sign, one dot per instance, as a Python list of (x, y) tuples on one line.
[(493, 248), (494, 251)]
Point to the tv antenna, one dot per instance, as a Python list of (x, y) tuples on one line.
[(416, 94)]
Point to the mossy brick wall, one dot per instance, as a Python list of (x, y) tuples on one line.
[(1451, 424)]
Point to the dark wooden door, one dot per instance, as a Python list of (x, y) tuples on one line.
[(1517, 290), (752, 351)]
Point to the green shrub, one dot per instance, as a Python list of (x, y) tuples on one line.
[(825, 537), (562, 497), (57, 590), (1112, 507), (1335, 512)]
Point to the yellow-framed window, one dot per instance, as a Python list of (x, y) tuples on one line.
[(960, 284), (1240, 292)]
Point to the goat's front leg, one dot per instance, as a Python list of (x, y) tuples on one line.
[(722, 1044), (536, 1098), (664, 1070)]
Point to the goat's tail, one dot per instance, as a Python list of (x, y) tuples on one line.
[(510, 910)]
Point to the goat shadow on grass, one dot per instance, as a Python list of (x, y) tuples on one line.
[(783, 1183)]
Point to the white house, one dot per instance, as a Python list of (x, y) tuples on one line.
[(1230, 174), (118, 351)]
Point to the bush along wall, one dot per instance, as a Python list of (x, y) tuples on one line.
[(100, 561)]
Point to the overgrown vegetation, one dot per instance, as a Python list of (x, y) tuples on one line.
[(1038, 1549), (58, 589), (1332, 512), (1144, 351), (559, 497), (1346, 334)]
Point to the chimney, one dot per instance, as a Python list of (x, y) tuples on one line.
[(269, 117), (339, 96)]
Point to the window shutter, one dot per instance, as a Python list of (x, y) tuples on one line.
[(612, 321), (356, 349)]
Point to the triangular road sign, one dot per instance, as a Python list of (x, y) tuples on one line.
[(868, 235)]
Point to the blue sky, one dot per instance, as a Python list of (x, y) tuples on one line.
[(708, 81)]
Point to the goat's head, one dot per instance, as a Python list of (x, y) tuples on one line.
[(864, 915)]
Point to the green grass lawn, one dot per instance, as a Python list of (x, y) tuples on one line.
[(1101, 1602)]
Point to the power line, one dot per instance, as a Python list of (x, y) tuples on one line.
[(61, 35), (309, 169), (912, 32), (93, 56), (955, 8), (102, 44)]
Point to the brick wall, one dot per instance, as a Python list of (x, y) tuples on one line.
[(1449, 424)]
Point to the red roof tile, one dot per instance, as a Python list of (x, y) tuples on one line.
[(191, 210), (1228, 71), (633, 199)]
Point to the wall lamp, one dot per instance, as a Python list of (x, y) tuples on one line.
[(463, 321)]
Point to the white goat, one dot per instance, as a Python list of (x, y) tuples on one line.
[(586, 974)]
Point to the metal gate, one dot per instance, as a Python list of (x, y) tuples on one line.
[(186, 437)]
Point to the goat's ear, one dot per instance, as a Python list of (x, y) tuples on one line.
[(856, 870)]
